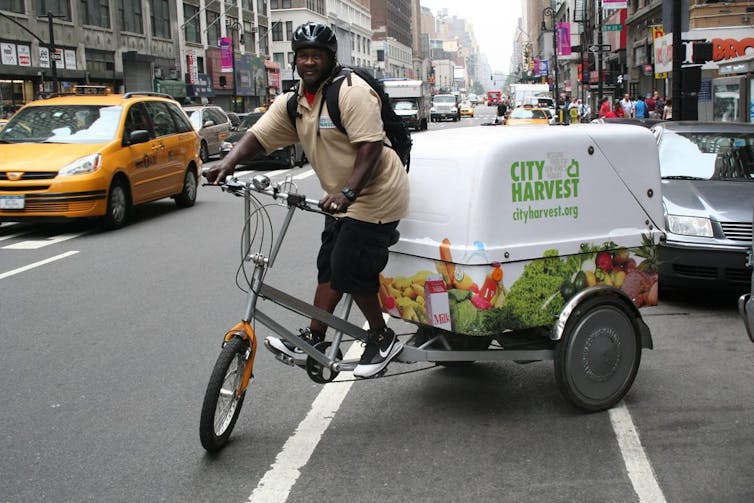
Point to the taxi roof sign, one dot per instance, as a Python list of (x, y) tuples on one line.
[(87, 89)]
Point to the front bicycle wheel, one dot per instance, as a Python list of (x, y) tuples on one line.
[(221, 406)]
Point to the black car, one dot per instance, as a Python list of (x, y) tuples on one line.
[(647, 123), (286, 157), (707, 171)]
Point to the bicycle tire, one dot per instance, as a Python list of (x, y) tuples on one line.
[(220, 409)]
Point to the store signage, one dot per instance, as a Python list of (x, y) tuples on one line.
[(8, 54), (663, 52), (612, 27), (226, 55), (24, 55), (614, 4), (44, 57)]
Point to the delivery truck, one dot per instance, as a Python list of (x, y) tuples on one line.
[(411, 101)]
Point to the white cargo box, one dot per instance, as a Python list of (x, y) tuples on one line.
[(487, 198)]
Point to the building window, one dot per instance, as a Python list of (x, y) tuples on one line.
[(99, 62), (95, 12), (263, 48), (130, 16), (262, 7), (59, 8), (279, 58), (12, 6), (160, 18), (291, 58), (191, 29), (213, 28), (289, 30), (277, 32)]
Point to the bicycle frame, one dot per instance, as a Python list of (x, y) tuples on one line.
[(259, 289)]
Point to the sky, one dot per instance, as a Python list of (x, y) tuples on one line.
[(494, 24)]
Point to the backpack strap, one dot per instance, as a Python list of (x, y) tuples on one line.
[(332, 95), (292, 106)]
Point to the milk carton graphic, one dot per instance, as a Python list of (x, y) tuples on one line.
[(436, 302)]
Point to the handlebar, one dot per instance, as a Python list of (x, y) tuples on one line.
[(262, 185)]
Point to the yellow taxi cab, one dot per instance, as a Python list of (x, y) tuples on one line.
[(96, 155), (467, 109), (528, 115)]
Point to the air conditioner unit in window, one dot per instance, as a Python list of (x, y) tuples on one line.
[(173, 74), (158, 72)]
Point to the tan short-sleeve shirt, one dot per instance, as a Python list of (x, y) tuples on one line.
[(332, 154)]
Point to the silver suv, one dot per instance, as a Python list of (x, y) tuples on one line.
[(213, 126)]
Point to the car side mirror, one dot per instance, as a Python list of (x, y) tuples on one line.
[(139, 136)]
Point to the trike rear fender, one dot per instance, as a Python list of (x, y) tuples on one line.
[(605, 291)]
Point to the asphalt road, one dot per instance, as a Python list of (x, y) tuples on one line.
[(109, 339)]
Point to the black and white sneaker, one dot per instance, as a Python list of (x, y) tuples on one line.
[(381, 347), (280, 346)]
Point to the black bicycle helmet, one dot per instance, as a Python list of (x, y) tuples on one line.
[(314, 35)]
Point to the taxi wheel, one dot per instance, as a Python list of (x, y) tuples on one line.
[(204, 152), (117, 205), (187, 197)]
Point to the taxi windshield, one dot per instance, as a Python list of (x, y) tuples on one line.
[(63, 124)]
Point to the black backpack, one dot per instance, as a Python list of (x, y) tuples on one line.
[(395, 130)]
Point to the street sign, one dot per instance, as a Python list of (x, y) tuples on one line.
[(612, 27), (599, 48)]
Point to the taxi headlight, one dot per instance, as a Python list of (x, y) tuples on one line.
[(690, 226), (88, 164), (433, 109)]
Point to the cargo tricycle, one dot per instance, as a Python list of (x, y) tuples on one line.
[(521, 244)]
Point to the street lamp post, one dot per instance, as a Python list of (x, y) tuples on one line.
[(234, 26), (53, 53), (549, 11)]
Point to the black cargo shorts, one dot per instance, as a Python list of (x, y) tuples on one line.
[(353, 253)]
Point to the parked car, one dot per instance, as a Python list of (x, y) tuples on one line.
[(707, 173), (288, 157), (746, 301), (521, 116), (213, 126), (235, 120), (648, 123), (96, 156)]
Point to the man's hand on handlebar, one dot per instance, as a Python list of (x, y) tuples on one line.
[(334, 203), (217, 173)]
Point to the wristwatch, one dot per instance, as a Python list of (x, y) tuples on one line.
[(349, 193)]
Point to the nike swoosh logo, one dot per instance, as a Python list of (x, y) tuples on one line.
[(385, 353)]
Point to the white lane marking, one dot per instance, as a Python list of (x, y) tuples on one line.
[(36, 244), (275, 486), (37, 264), (15, 235), (639, 470), (305, 174), (270, 174)]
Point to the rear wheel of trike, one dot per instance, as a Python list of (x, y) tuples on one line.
[(221, 405), (598, 356)]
